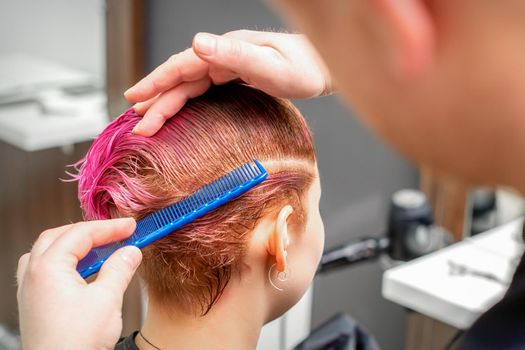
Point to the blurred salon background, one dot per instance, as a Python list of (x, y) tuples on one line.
[(64, 65)]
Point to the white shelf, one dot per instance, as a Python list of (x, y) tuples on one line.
[(23, 76), (35, 111), (26, 126), (426, 285)]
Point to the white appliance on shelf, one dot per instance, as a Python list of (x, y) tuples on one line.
[(44, 104)]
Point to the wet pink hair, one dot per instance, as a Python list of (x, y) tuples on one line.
[(128, 175)]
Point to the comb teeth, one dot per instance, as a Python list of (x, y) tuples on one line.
[(205, 194), (162, 222)]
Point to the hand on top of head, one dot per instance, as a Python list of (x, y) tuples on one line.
[(282, 65)]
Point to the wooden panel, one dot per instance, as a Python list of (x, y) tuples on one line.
[(426, 333), (449, 200), (32, 200), (124, 50)]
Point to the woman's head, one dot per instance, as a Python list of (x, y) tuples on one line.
[(128, 175)]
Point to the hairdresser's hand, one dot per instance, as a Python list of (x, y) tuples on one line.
[(58, 309), (282, 65)]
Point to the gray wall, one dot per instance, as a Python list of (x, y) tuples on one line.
[(71, 32), (358, 172)]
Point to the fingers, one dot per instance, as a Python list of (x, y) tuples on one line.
[(240, 54), (258, 37), (21, 269), (182, 67), (142, 107), (116, 273), (222, 76), (74, 244), (168, 104), (231, 51), (250, 56), (46, 238), (251, 62)]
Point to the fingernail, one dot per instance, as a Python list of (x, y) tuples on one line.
[(127, 91), (136, 129), (131, 256), (205, 44)]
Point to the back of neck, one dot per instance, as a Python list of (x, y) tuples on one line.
[(228, 325)]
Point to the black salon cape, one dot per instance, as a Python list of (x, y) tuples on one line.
[(127, 343), (503, 326)]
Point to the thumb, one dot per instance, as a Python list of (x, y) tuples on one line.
[(116, 273), (236, 55)]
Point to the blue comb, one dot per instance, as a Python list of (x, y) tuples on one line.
[(162, 222)]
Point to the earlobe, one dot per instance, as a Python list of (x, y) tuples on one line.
[(411, 34)]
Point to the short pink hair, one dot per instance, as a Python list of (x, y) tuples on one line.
[(128, 175)]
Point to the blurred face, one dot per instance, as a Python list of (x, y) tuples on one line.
[(303, 255), (442, 80)]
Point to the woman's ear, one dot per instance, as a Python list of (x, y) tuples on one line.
[(279, 240), (410, 34)]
